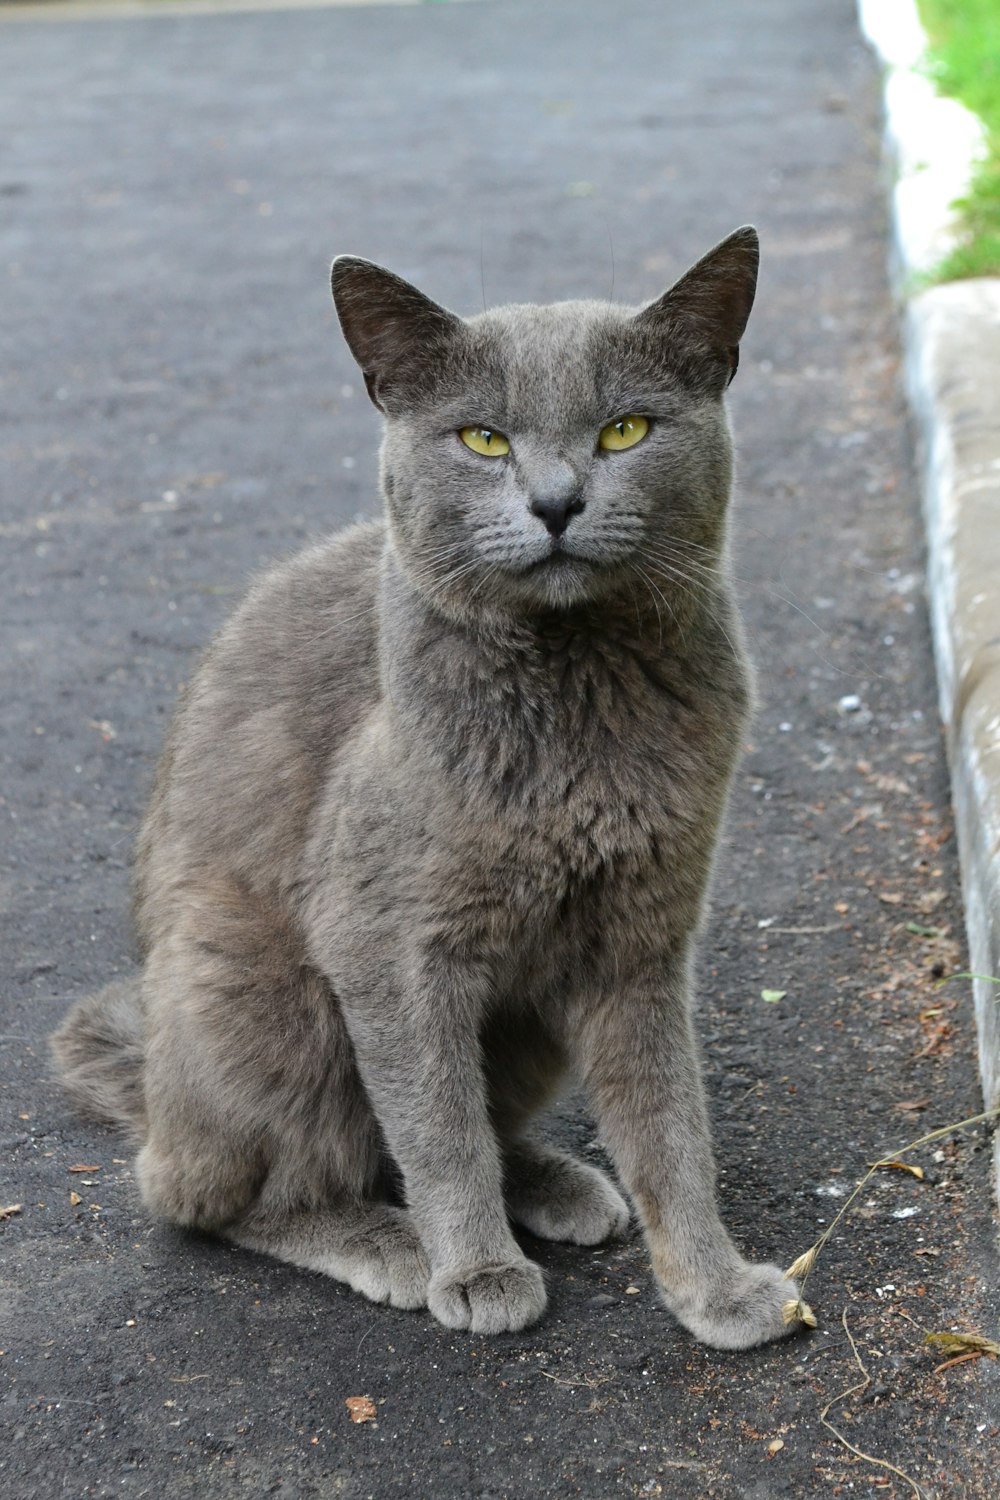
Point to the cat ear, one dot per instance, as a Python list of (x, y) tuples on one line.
[(395, 333), (714, 298)]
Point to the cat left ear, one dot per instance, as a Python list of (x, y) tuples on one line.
[(395, 333), (714, 298)]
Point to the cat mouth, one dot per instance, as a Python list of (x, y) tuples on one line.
[(556, 559)]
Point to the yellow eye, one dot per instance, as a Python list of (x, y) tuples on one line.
[(624, 433), (482, 440)]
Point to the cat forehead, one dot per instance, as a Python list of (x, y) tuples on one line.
[(567, 350), (548, 332)]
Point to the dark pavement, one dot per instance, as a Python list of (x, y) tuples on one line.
[(176, 410)]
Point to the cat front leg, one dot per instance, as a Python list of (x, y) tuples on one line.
[(419, 1055), (640, 1063)]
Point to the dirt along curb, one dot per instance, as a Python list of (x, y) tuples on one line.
[(951, 342)]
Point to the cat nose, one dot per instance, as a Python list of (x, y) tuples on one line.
[(555, 511)]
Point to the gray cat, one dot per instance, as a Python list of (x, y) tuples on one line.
[(435, 822)]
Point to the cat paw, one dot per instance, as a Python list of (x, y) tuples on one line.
[(747, 1309), (488, 1299), (559, 1198), (386, 1262)]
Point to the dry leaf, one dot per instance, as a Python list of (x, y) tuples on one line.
[(10, 1210), (891, 898), (891, 784), (75, 1198), (361, 1408), (963, 1343), (83, 1169), (775, 1447), (911, 1105), (901, 1166)]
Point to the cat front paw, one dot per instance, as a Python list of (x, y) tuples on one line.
[(488, 1299), (745, 1309)]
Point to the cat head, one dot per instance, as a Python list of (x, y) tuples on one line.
[(536, 458)]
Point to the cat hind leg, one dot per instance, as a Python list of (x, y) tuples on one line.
[(546, 1191), (557, 1197), (252, 1094), (373, 1247)]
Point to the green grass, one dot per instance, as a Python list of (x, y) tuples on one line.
[(965, 63)]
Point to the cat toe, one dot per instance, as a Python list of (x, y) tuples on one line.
[(489, 1299), (748, 1310)]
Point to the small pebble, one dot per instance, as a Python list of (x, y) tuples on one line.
[(849, 704)]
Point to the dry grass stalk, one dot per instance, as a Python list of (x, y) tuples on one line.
[(591, 1382), (797, 1311), (868, 1458), (802, 1266), (804, 1263)]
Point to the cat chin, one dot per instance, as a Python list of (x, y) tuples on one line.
[(522, 593), (559, 580)]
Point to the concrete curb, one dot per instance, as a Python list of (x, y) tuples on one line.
[(951, 341)]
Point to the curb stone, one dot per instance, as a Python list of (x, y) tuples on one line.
[(952, 342), (951, 350)]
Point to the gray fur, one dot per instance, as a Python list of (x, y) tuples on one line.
[(434, 828)]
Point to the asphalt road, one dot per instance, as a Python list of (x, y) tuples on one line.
[(176, 410)]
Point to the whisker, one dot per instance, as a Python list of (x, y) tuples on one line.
[(653, 593)]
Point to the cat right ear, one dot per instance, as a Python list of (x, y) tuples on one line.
[(396, 334), (712, 301)]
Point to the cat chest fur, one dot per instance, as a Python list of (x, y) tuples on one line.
[(557, 786)]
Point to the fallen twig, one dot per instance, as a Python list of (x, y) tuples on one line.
[(960, 1359)]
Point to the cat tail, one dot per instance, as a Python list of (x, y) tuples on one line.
[(99, 1051)]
